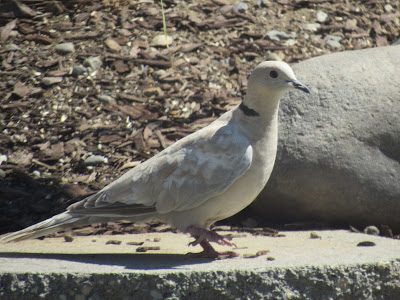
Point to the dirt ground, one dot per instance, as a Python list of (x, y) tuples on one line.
[(89, 89)]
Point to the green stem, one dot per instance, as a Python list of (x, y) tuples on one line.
[(165, 32)]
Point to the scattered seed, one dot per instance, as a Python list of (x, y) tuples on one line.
[(366, 244), (314, 235), (135, 243), (68, 238), (270, 258), (113, 242), (259, 253), (373, 230), (147, 248)]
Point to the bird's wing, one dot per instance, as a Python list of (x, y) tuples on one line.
[(181, 177)]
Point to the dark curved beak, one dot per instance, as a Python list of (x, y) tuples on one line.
[(298, 85)]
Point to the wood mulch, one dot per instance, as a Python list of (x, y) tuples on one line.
[(72, 121)]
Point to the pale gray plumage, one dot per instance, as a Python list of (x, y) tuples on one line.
[(205, 177)]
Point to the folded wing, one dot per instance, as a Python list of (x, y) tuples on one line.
[(181, 177)]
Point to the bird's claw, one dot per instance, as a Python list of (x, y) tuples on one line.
[(197, 241), (203, 235), (225, 241)]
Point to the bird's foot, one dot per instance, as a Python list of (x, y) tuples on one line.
[(201, 234), (210, 252), (203, 237)]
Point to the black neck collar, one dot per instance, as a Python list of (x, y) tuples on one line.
[(248, 111)]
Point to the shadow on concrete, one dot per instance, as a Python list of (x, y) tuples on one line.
[(128, 261)]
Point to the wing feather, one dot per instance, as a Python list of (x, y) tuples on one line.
[(181, 177)]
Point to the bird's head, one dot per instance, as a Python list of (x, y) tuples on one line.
[(274, 77)]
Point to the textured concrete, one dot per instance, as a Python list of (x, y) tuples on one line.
[(329, 267)]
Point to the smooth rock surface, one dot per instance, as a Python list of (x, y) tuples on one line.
[(78, 71), (240, 7), (95, 160), (65, 48), (51, 80), (93, 62), (106, 99), (311, 26), (297, 267), (339, 147), (275, 35), (161, 40), (333, 41), (322, 16)]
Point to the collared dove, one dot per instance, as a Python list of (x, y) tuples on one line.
[(205, 177)]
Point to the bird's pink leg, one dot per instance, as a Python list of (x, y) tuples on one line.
[(203, 237), (203, 234)]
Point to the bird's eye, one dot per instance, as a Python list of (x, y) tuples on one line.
[(273, 74)]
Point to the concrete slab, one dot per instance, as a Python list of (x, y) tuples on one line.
[(296, 267)]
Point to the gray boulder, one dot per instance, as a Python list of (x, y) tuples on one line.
[(339, 148)]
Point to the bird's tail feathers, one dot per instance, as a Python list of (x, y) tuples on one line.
[(52, 225)]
